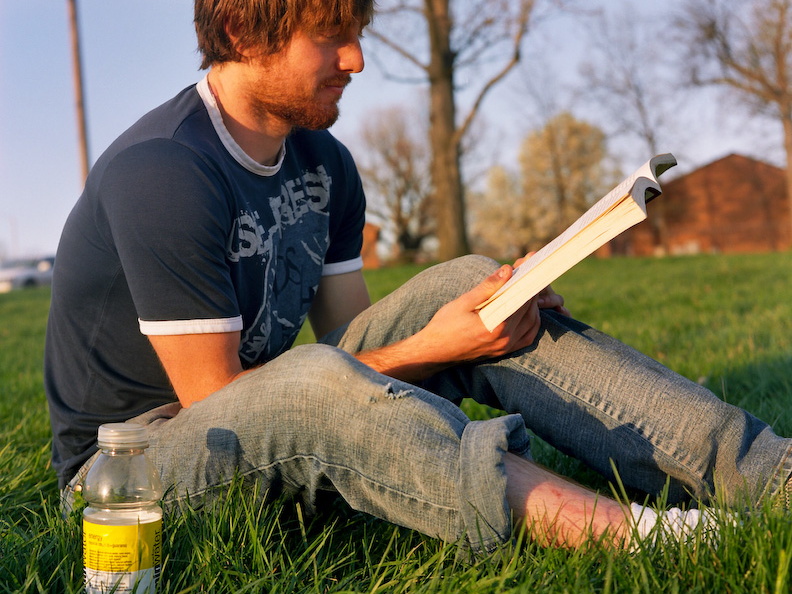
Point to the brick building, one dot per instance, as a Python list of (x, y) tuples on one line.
[(734, 204), (369, 253)]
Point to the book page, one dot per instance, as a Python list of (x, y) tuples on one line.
[(639, 187)]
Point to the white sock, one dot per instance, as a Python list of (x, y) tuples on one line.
[(673, 523)]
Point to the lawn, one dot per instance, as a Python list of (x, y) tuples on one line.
[(722, 320)]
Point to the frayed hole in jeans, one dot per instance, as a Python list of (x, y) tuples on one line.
[(394, 394)]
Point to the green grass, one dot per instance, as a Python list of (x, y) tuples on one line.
[(726, 321)]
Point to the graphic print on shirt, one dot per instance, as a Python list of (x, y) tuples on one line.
[(283, 245)]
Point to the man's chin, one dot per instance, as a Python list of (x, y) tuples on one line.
[(308, 115), (317, 121)]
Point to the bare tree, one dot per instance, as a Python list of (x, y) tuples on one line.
[(473, 35), (621, 73), (745, 47), (394, 167), (624, 73)]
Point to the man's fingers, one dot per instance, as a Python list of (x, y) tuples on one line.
[(489, 285)]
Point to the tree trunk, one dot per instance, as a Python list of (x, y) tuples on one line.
[(448, 192), (787, 121)]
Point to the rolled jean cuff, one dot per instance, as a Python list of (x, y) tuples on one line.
[(70, 493), (481, 485), (780, 477)]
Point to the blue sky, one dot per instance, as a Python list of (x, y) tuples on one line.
[(137, 54)]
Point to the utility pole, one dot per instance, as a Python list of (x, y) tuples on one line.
[(82, 126)]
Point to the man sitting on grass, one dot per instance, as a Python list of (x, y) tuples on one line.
[(214, 226)]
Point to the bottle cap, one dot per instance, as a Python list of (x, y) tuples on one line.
[(120, 435)]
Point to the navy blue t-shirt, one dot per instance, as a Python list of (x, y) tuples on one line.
[(179, 232)]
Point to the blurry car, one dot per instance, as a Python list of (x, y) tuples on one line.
[(26, 273)]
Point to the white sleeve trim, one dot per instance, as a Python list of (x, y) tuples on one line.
[(342, 267), (178, 327)]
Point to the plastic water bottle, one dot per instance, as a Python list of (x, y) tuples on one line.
[(122, 525)]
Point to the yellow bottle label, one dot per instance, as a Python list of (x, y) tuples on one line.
[(126, 558)]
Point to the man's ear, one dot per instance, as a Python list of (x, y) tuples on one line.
[(232, 32)]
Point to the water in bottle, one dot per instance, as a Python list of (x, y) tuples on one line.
[(122, 525)]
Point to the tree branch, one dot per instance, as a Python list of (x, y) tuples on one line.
[(388, 42), (522, 29)]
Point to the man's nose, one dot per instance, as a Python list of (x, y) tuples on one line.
[(350, 56)]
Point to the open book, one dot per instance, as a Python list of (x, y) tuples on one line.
[(620, 209)]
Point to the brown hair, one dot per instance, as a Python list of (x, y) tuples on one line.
[(267, 24)]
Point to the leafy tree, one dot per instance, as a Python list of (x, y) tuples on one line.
[(564, 168), (499, 226)]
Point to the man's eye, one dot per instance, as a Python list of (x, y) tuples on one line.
[(332, 33)]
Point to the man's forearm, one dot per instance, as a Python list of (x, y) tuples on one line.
[(409, 360), (455, 334)]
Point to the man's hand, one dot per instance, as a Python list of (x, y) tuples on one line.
[(459, 331), (456, 334), (549, 299)]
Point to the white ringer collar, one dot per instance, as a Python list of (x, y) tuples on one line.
[(228, 142)]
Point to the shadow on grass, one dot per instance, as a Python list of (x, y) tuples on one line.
[(763, 388)]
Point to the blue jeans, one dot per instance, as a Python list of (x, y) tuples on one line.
[(316, 419)]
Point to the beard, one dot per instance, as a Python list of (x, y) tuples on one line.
[(300, 109)]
